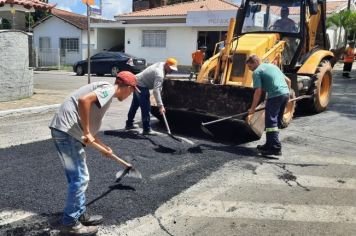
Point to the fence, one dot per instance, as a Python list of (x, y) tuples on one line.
[(55, 58)]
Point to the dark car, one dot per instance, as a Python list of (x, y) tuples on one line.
[(110, 63)]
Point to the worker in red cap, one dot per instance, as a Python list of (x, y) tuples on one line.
[(151, 78), (73, 127)]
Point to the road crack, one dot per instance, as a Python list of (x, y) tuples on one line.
[(161, 225)]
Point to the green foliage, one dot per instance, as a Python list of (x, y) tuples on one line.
[(32, 18), (350, 22), (338, 19), (5, 24), (344, 19)]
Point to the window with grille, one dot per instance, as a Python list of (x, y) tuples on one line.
[(154, 38), (70, 44), (45, 43)]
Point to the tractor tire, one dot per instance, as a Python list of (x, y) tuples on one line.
[(323, 86), (289, 111)]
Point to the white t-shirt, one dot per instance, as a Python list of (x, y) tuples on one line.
[(67, 117)]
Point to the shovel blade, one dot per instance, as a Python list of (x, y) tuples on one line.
[(206, 130), (128, 172)]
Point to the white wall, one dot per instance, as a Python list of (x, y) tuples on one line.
[(181, 42), (16, 78), (333, 33), (93, 43)]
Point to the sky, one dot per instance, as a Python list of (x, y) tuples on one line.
[(111, 8)]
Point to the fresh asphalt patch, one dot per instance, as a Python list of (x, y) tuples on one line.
[(32, 177)]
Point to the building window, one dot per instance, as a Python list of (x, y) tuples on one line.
[(69, 44), (45, 43), (154, 38)]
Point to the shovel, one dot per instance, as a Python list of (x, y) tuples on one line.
[(128, 170), (207, 131), (171, 135)]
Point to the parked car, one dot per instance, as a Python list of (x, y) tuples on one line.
[(110, 63)]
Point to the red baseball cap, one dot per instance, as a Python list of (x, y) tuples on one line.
[(128, 79)]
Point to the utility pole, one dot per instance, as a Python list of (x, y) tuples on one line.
[(349, 5), (88, 41)]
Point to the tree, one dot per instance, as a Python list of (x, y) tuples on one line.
[(5, 24), (339, 20), (351, 25), (33, 17)]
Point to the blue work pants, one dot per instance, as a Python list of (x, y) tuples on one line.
[(275, 107), (141, 100), (73, 157)]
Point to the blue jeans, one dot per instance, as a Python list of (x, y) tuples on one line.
[(73, 157), (273, 119), (141, 100)]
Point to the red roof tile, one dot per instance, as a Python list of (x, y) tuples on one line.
[(77, 20), (28, 4), (181, 9), (334, 6)]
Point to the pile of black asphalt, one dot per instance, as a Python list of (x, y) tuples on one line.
[(32, 177)]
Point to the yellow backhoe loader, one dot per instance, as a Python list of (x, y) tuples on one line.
[(296, 42)]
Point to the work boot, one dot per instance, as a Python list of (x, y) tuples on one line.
[(268, 150), (271, 151), (88, 220), (131, 127), (78, 230), (149, 132), (262, 147)]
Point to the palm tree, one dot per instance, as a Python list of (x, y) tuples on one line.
[(339, 20), (351, 24)]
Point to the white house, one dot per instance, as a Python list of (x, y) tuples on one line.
[(62, 38), (174, 30)]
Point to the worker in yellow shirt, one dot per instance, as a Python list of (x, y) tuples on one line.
[(197, 61), (348, 59)]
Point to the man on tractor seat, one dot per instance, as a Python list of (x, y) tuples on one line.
[(285, 24)]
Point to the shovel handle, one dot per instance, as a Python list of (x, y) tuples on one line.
[(112, 156), (230, 117), (246, 113), (166, 123)]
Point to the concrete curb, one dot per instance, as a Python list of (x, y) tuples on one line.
[(29, 110)]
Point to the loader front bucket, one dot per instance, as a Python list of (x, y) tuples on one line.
[(188, 104)]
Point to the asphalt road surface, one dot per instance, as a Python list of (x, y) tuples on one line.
[(207, 188)]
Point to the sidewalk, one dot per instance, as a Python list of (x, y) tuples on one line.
[(41, 100)]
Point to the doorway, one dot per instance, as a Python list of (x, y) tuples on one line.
[(209, 39)]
